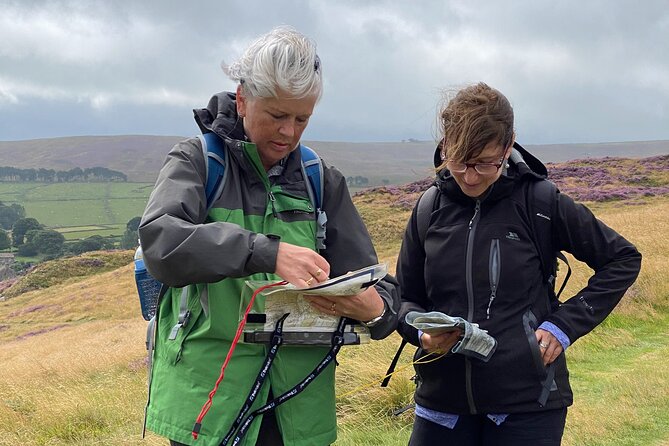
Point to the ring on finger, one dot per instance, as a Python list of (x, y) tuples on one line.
[(333, 308), (318, 272), (309, 281), (543, 345)]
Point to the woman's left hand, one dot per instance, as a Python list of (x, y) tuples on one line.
[(363, 306), (549, 346)]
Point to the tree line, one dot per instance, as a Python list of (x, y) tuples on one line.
[(77, 174)]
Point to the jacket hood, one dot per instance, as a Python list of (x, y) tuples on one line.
[(220, 116), (522, 165)]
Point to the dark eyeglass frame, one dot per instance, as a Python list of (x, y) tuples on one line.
[(456, 167)]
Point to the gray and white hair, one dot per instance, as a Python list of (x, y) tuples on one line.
[(282, 59)]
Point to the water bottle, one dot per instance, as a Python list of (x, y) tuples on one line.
[(148, 287)]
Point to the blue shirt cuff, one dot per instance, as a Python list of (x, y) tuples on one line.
[(420, 335), (443, 419), (555, 331)]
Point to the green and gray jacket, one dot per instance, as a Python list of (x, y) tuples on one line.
[(235, 241)]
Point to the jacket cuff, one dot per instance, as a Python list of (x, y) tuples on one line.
[(388, 322), (555, 331), (420, 340), (264, 249)]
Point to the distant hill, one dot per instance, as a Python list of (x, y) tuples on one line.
[(141, 156)]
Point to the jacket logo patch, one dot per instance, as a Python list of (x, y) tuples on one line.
[(512, 236)]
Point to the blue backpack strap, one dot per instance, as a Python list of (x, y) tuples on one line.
[(213, 148), (312, 169)]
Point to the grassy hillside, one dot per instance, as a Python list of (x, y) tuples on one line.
[(73, 370)]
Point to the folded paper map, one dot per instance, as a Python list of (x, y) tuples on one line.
[(474, 342), (277, 301)]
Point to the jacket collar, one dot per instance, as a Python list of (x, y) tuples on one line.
[(220, 116)]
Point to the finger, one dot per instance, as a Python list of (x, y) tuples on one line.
[(324, 266), (325, 306), (320, 308), (447, 337), (318, 271), (553, 352), (318, 275), (543, 349)]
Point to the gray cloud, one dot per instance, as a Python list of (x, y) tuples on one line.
[(574, 71)]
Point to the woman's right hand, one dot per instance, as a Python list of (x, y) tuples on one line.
[(301, 266), (439, 343)]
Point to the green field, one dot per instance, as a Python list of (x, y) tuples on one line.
[(80, 210)]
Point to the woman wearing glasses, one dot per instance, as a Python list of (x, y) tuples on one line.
[(478, 259)]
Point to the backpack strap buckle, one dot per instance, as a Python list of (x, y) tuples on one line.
[(184, 315)]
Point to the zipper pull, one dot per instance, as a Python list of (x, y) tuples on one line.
[(493, 295), (476, 211), (272, 200)]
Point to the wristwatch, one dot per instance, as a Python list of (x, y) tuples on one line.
[(377, 319)]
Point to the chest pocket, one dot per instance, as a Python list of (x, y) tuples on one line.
[(511, 262), (291, 217)]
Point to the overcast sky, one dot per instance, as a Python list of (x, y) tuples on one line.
[(575, 71)]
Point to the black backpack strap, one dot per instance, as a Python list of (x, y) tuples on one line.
[(393, 364), (541, 206), (424, 208)]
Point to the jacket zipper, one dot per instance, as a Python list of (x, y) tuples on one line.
[(494, 269), (470, 299)]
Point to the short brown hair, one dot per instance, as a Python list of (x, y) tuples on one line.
[(475, 117)]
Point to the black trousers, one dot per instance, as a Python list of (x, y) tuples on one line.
[(543, 428), (269, 434)]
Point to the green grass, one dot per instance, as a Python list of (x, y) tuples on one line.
[(620, 371)]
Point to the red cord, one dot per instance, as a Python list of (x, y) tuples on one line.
[(240, 329)]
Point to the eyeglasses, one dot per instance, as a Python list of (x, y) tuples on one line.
[(480, 168)]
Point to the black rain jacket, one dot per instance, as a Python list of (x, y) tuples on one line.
[(478, 249)]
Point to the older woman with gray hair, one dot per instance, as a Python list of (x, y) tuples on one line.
[(261, 227)]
